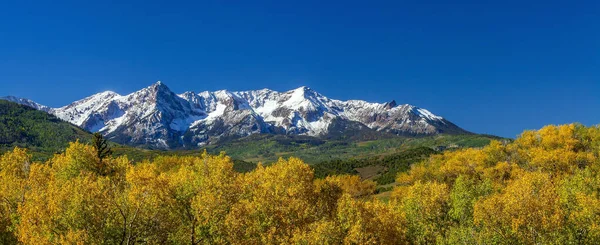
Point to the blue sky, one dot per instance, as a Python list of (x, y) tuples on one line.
[(495, 68)]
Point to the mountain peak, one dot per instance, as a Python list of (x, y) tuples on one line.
[(157, 117), (158, 89), (304, 92), (303, 89), (99, 97), (390, 105), (158, 85), (108, 93)]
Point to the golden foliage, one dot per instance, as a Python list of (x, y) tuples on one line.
[(526, 211), (14, 171), (425, 206), (351, 184), (543, 188)]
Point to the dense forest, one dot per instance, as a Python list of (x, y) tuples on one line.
[(392, 164), (38, 131), (542, 188)]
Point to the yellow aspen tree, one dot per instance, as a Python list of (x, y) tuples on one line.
[(327, 196), (325, 231), (527, 212), (143, 208), (67, 202), (581, 204), (14, 171), (352, 184), (217, 193), (370, 222), (275, 202), (35, 216), (426, 207)]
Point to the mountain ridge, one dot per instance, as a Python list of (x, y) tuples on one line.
[(43, 133), (159, 118)]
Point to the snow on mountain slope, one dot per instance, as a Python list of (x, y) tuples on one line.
[(156, 117), (26, 102), (82, 111)]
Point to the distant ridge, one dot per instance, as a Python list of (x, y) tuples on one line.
[(158, 118)]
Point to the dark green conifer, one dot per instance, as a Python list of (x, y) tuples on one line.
[(102, 152)]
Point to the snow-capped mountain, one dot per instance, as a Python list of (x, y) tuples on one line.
[(27, 102), (159, 118)]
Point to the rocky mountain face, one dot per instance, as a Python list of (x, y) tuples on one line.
[(158, 118)]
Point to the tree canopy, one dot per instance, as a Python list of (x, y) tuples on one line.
[(543, 188)]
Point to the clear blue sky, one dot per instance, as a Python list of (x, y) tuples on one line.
[(496, 68)]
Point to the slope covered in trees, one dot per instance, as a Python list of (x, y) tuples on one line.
[(391, 164), (543, 188), (39, 131), (269, 148)]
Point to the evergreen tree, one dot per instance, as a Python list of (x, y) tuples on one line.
[(102, 152)]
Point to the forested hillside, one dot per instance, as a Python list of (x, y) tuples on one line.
[(39, 131), (542, 188), (269, 148)]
